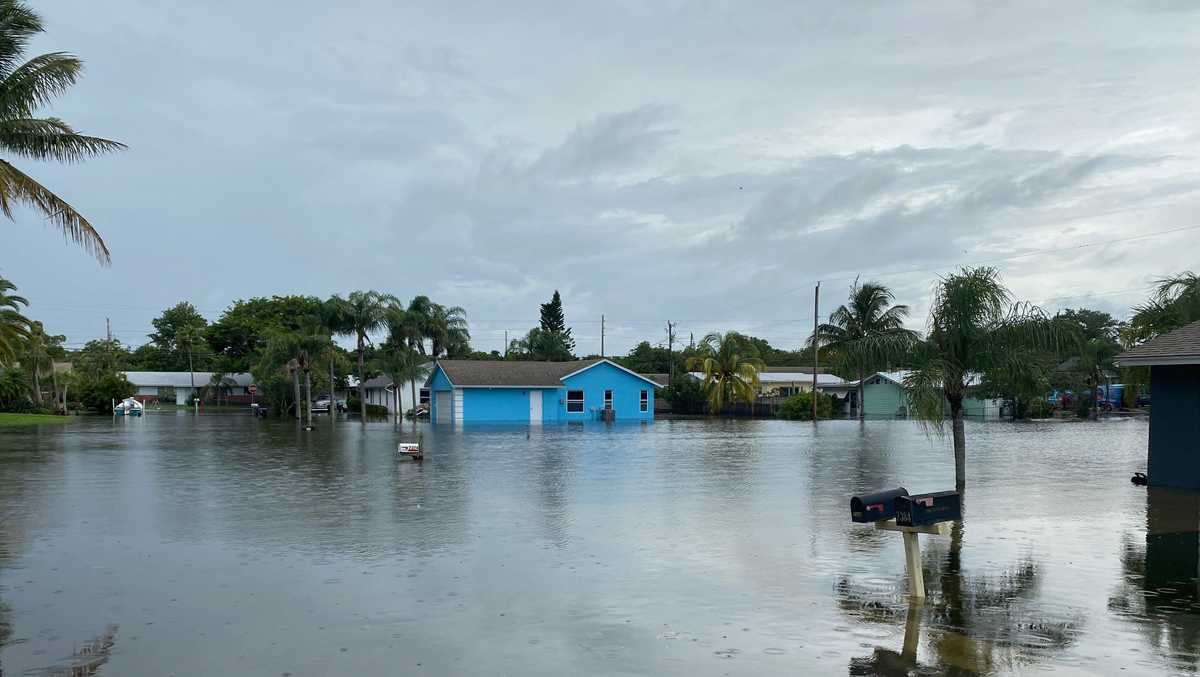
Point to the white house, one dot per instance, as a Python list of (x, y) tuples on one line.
[(380, 391), (177, 385)]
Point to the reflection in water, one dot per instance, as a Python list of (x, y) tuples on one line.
[(978, 625), (1160, 592)]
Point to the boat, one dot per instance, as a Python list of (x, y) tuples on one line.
[(129, 407)]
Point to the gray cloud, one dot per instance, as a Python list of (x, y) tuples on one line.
[(698, 162)]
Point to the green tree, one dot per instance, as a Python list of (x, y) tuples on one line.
[(647, 359), (402, 364), (798, 407), (178, 331), (448, 331), (188, 341), (365, 312), (24, 89), (99, 391), (554, 323), (241, 331), (1175, 303), (540, 345), (730, 369), (39, 352), (14, 326), (867, 333), (974, 328), (101, 356), (14, 391)]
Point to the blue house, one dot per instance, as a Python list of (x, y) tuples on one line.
[(478, 391)]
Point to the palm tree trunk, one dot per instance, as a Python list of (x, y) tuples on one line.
[(54, 382), (296, 385), (308, 394), (960, 443), (413, 385), (362, 390), (861, 392), (37, 381), (332, 392)]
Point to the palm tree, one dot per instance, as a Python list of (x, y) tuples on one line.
[(333, 320), (14, 327), (24, 88), (1175, 302), (364, 312), (867, 333), (402, 364), (40, 348), (730, 369), (448, 330), (974, 329), (219, 384)]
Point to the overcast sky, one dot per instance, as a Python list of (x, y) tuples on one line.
[(702, 162)]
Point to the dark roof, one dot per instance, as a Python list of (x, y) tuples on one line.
[(505, 373), (661, 379), (1181, 346)]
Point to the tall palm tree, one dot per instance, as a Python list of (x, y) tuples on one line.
[(333, 320), (402, 364), (448, 330), (867, 333), (418, 322), (365, 312), (730, 369), (1175, 302), (14, 327), (39, 352), (974, 329), (25, 88)]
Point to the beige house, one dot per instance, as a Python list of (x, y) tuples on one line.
[(788, 381)]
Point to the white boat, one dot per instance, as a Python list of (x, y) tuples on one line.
[(129, 407)]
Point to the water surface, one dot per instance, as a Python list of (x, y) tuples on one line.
[(226, 545)]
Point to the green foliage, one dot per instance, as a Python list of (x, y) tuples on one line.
[(26, 88), (1175, 303), (372, 410), (686, 395), (867, 333), (174, 322), (554, 323), (97, 392), (101, 356), (647, 359), (730, 368), (798, 407), (14, 391), (540, 345), (241, 331), (14, 327)]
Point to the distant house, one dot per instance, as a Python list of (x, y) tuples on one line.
[(176, 386), (884, 396), (1174, 448), (788, 381), (471, 391), (380, 390)]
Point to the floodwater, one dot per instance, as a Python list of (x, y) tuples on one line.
[(226, 545)]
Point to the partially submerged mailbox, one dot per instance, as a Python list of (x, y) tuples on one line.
[(921, 509), (880, 505)]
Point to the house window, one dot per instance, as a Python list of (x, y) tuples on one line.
[(574, 401), (645, 402), (608, 400), (423, 396)]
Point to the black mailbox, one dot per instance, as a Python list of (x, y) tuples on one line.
[(880, 505), (921, 509)]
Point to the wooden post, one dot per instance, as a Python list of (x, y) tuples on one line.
[(912, 562), (912, 552)]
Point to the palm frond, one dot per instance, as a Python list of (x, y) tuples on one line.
[(51, 139), (18, 23), (36, 83), (18, 188)]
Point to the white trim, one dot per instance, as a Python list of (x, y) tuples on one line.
[(608, 361), (1157, 361), (609, 401), (644, 401), (458, 405)]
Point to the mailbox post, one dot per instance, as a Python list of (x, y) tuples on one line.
[(896, 510)]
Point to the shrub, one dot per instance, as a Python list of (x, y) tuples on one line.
[(1038, 408), (799, 407), (354, 406), (98, 392), (14, 391), (686, 396)]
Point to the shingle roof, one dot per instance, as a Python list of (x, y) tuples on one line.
[(181, 379), (1181, 346), (661, 379), (466, 373)]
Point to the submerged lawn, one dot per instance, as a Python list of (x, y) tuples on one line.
[(29, 419)]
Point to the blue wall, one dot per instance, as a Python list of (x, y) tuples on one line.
[(1175, 427), (512, 404), (626, 389)]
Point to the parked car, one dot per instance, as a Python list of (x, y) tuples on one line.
[(321, 403)]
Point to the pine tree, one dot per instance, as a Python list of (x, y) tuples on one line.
[(554, 324)]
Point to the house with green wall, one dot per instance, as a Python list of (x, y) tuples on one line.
[(884, 396)]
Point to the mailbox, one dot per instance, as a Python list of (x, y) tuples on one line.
[(921, 509), (880, 505)]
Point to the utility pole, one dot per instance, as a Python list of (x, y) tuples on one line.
[(816, 347), (671, 352), (108, 343), (602, 335), (506, 344)]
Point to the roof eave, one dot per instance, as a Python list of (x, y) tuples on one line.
[(1156, 361)]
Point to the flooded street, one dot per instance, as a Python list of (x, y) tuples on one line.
[(225, 545)]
